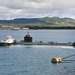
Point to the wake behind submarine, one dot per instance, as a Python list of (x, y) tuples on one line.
[(28, 40)]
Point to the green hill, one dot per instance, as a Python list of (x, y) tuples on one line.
[(37, 23)]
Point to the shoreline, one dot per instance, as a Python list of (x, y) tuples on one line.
[(38, 29)]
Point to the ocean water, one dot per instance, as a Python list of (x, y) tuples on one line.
[(36, 59)]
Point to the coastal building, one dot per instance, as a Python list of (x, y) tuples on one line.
[(28, 38), (25, 28), (16, 28)]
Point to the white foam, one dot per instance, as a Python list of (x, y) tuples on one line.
[(65, 47), (42, 46)]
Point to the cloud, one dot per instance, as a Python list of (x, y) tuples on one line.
[(36, 8)]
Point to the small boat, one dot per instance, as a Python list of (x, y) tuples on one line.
[(8, 41)]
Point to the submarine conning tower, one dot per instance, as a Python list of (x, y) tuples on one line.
[(28, 38)]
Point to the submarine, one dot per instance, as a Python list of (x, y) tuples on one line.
[(28, 40)]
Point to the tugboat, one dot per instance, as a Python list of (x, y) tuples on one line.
[(8, 41)]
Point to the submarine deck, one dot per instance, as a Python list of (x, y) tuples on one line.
[(43, 43)]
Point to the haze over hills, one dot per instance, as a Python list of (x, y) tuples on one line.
[(46, 21)]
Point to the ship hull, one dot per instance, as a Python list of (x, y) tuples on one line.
[(6, 44)]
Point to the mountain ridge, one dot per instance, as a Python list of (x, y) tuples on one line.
[(41, 22)]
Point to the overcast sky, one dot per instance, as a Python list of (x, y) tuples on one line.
[(10, 9)]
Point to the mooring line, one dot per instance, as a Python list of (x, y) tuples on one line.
[(68, 60), (68, 56)]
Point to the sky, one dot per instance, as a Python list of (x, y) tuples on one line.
[(10, 9)]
